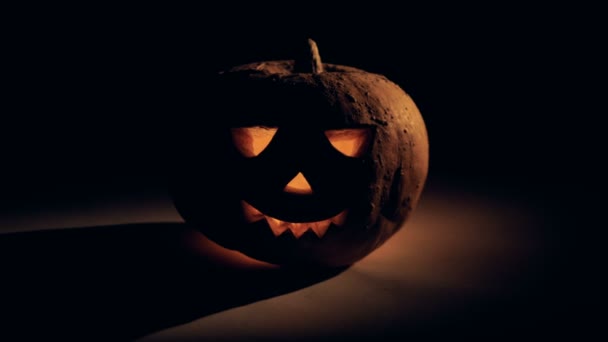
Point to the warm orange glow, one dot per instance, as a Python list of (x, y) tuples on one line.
[(219, 255), (350, 142), (298, 185), (251, 213), (298, 229), (251, 141)]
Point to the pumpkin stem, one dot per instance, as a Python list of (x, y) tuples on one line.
[(310, 61)]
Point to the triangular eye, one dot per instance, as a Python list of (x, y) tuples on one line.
[(351, 142), (251, 141)]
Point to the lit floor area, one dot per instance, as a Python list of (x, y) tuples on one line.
[(464, 264)]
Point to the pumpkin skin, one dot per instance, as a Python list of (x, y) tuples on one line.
[(373, 193)]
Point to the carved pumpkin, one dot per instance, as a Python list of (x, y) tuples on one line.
[(320, 163)]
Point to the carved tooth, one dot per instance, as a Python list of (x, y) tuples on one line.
[(276, 225), (251, 214), (339, 219), (298, 229), (320, 228)]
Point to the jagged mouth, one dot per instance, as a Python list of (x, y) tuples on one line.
[(298, 229)]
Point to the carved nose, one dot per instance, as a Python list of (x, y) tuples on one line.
[(298, 185)]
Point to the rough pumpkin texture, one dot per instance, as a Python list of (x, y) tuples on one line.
[(386, 183)]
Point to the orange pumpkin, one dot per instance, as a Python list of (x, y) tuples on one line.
[(318, 163)]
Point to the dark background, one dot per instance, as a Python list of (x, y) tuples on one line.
[(95, 104)]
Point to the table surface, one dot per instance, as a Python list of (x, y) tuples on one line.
[(464, 263)]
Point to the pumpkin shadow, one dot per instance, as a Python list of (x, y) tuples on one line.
[(122, 282)]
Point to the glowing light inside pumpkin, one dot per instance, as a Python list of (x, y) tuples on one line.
[(298, 229), (350, 142), (298, 185), (251, 141)]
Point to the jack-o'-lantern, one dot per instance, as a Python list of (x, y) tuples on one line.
[(316, 163)]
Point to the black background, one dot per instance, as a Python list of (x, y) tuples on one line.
[(95, 100)]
